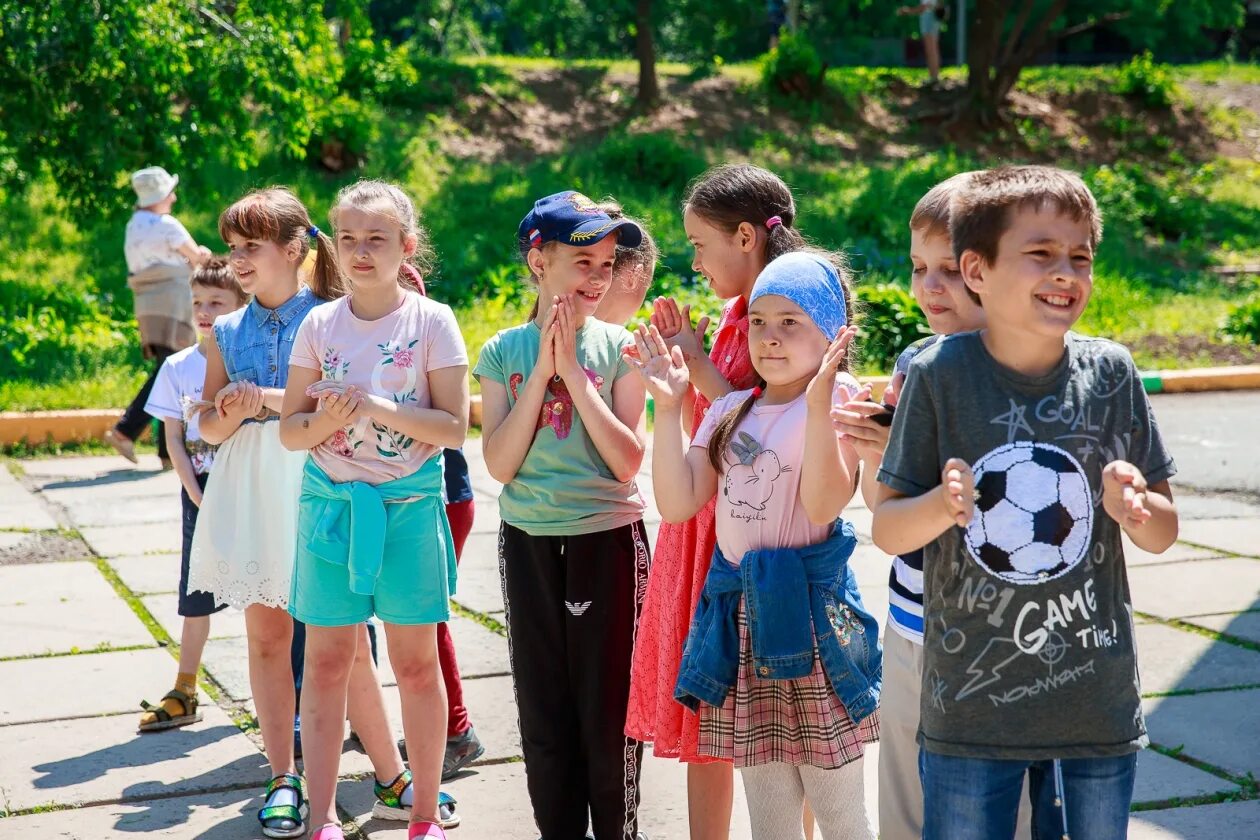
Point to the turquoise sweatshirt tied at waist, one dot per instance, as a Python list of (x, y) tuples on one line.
[(354, 526)]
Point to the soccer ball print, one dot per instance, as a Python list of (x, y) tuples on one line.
[(1034, 513)]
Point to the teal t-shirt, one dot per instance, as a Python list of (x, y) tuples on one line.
[(563, 487)]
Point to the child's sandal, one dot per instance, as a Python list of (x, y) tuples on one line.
[(165, 720), (389, 802), (275, 817)]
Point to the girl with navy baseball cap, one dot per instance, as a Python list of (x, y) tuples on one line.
[(563, 428)]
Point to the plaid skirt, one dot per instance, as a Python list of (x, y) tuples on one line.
[(798, 722)]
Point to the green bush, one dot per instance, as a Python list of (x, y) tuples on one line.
[(1243, 321), (658, 161), (890, 322), (42, 344), (345, 131), (793, 68), (1150, 83)]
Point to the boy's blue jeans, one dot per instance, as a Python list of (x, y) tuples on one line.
[(978, 798)]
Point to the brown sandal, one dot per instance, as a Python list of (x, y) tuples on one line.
[(165, 720)]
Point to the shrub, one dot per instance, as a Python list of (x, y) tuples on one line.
[(1243, 321), (1150, 83), (793, 68), (656, 160), (345, 131), (890, 322)]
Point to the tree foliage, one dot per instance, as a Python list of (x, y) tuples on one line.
[(96, 88), (1005, 36)]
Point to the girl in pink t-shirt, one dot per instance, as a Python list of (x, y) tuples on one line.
[(738, 218), (378, 385), (782, 477)]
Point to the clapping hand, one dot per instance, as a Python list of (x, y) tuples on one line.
[(958, 487), (1124, 494), (675, 327), (663, 368)]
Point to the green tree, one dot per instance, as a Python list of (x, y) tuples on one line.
[(1004, 36), (96, 88)]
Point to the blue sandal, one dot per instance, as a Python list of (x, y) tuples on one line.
[(284, 821)]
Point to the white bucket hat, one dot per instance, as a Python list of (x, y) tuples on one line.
[(152, 185)]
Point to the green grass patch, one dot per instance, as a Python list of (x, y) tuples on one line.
[(67, 339)]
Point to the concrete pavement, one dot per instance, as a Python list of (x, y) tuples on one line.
[(82, 640)]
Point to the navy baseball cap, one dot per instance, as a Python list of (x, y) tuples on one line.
[(571, 218)]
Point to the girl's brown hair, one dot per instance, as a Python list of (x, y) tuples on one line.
[(640, 260), (384, 199), (277, 215), (733, 193), (726, 427)]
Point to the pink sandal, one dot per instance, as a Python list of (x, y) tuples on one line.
[(329, 831), (425, 831)]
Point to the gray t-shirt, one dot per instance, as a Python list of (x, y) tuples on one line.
[(1028, 640)]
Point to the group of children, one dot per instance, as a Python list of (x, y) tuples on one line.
[(1002, 465)]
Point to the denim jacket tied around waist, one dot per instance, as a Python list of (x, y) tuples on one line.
[(795, 599), (256, 342)]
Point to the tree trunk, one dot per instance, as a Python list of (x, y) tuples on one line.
[(996, 57), (645, 51)]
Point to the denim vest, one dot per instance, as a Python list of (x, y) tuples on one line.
[(794, 599), (255, 342)]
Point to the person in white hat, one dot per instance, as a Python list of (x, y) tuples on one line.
[(161, 255)]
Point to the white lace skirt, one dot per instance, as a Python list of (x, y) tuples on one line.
[(246, 539)]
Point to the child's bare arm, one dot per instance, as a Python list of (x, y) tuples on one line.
[(904, 523), (507, 432), (174, 432), (829, 467), (217, 427), (304, 424), (1147, 514), (619, 432), (682, 477)]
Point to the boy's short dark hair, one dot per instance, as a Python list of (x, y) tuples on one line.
[(215, 274), (981, 209), (931, 214)]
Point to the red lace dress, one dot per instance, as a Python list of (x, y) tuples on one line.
[(680, 563)]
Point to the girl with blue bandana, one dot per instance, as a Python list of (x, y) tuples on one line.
[(783, 660)]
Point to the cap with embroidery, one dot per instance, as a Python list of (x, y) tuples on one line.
[(571, 218)]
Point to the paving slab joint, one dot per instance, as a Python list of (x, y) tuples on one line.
[(1208, 632), (1247, 783), (490, 623)]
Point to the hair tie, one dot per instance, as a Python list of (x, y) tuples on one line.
[(312, 232), (773, 222), (756, 391)]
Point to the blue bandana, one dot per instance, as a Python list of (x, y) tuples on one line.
[(812, 283)]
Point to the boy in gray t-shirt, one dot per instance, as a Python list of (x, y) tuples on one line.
[(1018, 455)]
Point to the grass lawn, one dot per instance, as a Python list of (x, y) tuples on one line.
[(1179, 186)]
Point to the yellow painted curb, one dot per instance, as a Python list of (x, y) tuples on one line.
[(57, 426), (91, 423), (1237, 378), (86, 424)]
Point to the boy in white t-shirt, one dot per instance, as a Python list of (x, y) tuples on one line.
[(160, 255), (215, 292)]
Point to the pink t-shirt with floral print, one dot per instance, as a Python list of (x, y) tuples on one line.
[(389, 357)]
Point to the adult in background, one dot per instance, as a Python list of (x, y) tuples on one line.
[(161, 255), (930, 16)]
